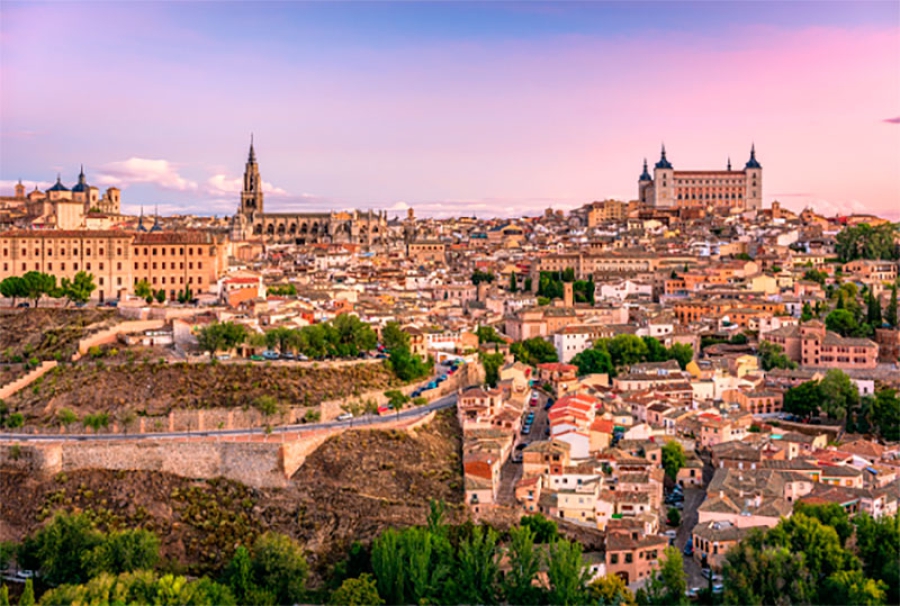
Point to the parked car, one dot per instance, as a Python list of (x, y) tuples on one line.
[(689, 548), (693, 593), (223, 357), (270, 355), (718, 588), (257, 358), (526, 430), (24, 304), (345, 417), (288, 356)]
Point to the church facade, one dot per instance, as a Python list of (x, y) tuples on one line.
[(731, 190), (333, 227)]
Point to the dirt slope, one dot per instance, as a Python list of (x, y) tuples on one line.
[(352, 487)]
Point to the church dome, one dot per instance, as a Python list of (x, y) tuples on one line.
[(59, 186)]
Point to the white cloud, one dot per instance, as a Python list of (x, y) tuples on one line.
[(220, 183), (8, 187), (161, 173)]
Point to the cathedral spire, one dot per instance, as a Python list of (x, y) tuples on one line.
[(729, 163), (753, 162), (663, 161), (645, 176), (251, 158)]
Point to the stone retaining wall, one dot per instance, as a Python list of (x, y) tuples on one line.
[(27, 379), (264, 463), (110, 335)]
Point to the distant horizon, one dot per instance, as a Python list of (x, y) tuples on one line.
[(452, 109)]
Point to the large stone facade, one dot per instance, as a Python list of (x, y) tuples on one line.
[(734, 190), (252, 222)]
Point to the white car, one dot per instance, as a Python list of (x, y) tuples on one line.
[(345, 417)]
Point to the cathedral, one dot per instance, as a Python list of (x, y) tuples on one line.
[(731, 190), (334, 227)]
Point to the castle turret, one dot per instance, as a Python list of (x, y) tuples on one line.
[(663, 181), (753, 169)]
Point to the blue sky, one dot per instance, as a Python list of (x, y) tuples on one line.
[(449, 107)]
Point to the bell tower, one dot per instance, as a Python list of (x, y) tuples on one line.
[(252, 194)]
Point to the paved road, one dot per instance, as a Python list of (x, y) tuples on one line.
[(366, 420), (511, 472), (693, 498)]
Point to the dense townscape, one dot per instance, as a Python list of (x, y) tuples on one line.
[(683, 397)]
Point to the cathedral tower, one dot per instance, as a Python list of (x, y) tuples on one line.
[(252, 194)]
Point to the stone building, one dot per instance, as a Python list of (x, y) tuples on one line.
[(732, 190), (252, 222), (169, 261), (60, 207)]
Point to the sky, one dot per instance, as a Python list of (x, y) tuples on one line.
[(450, 108)]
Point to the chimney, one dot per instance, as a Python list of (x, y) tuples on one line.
[(568, 294)]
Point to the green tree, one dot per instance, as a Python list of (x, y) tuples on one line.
[(626, 350), (807, 314), (668, 585), (864, 241), (513, 283), (886, 414), (682, 353), (487, 334), (360, 591), (396, 398), (479, 276), (268, 405), (492, 363), (393, 337), (771, 355), (279, 566), (142, 289), (221, 336), (839, 394), (160, 296), (567, 572), (27, 598), (656, 351), (58, 548), (353, 336), (873, 311), (842, 322), (387, 562), (238, 575), (673, 458), (4, 595), (852, 587), (544, 529), (37, 284), (610, 590), (878, 546), (474, 580), (816, 276), (123, 551), (524, 563), (534, 351), (528, 284), (79, 289), (831, 514), (891, 315), (66, 417), (804, 399), (13, 288), (673, 517), (594, 360)]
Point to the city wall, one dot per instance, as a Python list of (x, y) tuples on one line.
[(267, 463)]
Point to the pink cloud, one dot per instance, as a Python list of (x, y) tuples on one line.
[(161, 173)]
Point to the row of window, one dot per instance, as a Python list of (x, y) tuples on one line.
[(629, 558), (171, 265), (172, 280), (62, 252), (101, 252)]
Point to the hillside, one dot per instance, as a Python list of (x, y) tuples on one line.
[(49, 333), (349, 489), (152, 388)]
